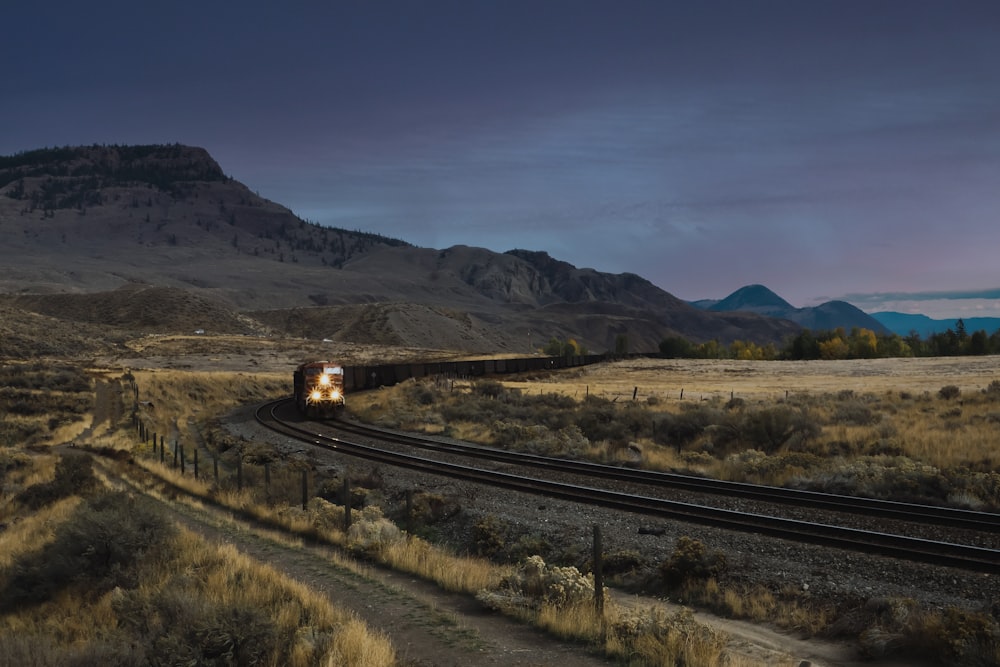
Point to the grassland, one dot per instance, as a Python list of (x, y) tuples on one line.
[(923, 428)]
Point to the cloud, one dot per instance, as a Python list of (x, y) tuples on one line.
[(946, 295), (940, 305)]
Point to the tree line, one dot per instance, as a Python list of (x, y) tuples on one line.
[(859, 343)]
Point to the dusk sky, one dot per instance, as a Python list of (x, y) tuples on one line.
[(827, 149)]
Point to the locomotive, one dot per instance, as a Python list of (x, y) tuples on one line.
[(319, 389)]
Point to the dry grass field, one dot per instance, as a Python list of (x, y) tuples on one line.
[(702, 379), (884, 423)]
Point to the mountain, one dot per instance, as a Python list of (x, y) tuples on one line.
[(158, 238), (904, 324), (762, 301), (755, 299)]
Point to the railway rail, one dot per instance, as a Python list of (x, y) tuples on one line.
[(886, 509), (961, 556)]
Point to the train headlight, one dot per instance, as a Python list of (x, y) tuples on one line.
[(316, 395), (324, 379), (335, 395)]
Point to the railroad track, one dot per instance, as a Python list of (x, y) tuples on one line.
[(961, 556), (886, 509)]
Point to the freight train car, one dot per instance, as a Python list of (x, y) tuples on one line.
[(319, 389)]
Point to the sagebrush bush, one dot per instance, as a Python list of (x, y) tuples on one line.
[(622, 561), (771, 429), (568, 442), (489, 536), (691, 560), (681, 429), (854, 412), (949, 392), (99, 548), (890, 477), (535, 584), (74, 475)]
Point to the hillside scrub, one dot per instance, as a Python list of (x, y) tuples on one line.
[(115, 583), (37, 398)]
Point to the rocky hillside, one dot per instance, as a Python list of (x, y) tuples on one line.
[(158, 238)]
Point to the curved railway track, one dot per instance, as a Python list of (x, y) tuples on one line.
[(896, 546), (886, 509)]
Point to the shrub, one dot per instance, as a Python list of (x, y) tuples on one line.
[(683, 428), (218, 636), (74, 475), (949, 391), (526, 545), (12, 459), (597, 420), (536, 584), (423, 394), (488, 388), (537, 439), (426, 509), (622, 562), (99, 548), (856, 413), (770, 429), (691, 561), (372, 532), (488, 536)]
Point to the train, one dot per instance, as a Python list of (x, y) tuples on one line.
[(319, 389), (320, 385)]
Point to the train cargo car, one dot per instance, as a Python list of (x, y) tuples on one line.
[(319, 389)]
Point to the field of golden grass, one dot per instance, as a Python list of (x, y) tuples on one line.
[(704, 379), (905, 392)]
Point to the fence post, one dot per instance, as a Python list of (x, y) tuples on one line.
[(598, 571), (635, 391), (182, 459), (409, 511), (305, 488), (175, 453), (347, 504), (161, 451)]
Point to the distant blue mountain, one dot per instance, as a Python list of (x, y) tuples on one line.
[(826, 316), (904, 323)]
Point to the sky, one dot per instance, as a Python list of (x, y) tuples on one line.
[(828, 149)]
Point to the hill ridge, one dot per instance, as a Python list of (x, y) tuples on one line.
[(94, 219)]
